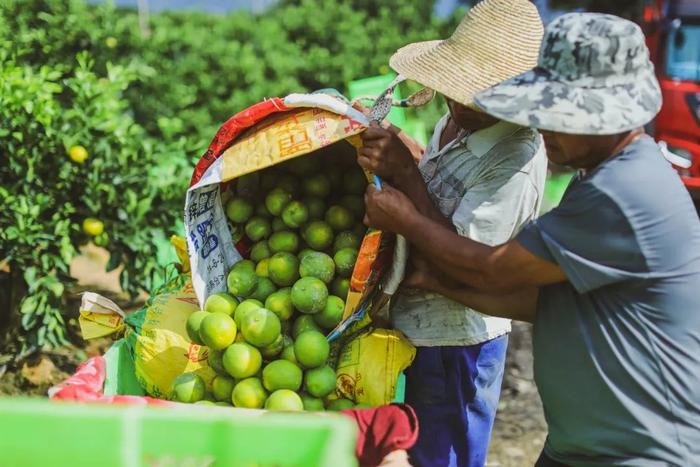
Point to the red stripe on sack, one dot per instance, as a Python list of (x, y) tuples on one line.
[(233, 127)]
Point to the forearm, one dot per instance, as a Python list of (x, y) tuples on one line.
[(519, 305), (414, 187), (464, 260)]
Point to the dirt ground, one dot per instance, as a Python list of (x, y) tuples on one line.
[(519, 431)]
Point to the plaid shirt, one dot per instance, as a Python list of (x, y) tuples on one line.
[(490, 184)]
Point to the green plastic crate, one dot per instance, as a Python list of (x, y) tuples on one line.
[(42, 433)]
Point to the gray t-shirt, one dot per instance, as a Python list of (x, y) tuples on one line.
[(617, 347)]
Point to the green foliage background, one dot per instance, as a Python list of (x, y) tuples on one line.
[(145, 107)]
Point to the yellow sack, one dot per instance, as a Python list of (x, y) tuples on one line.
[(369, 366), (156, 333)]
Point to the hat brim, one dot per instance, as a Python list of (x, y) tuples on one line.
[(536, 100), (437, 65)]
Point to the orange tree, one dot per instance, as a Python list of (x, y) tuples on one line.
[(99, 125), (76, 167)]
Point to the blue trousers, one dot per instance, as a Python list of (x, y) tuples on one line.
[(455, 391)]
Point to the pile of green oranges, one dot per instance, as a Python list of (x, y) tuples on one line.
[(267, 335)]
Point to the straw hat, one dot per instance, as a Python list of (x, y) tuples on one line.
[(496, 40)]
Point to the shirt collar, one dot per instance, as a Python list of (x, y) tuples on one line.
[(482, 141)]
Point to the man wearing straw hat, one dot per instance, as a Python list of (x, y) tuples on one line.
[(479, 177), (611, 277)]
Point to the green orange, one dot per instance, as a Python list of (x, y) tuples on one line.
[(284, 399), (311, 349), (188, 387), (331, 314), (192, 325), (249, 393), (217, 331), (261, 327), (283, 268), (309, 295), (242, 360)]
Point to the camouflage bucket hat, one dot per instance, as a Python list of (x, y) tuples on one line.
[(593, 77)]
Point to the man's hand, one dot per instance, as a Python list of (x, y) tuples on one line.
[(384, 153), (388, 209)]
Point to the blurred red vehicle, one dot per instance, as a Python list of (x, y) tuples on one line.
[(673, 37)]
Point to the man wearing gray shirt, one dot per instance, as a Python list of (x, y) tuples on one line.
[(611, 277), (482, 178)]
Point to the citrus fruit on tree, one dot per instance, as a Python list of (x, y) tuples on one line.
[(273, 349), (340, 286), (238, 210), (346, 239), (242, 360), (221, 302), (318, 235), (345, 259), (188, 387), (249, 394), (258, 228), (261, 268), (315, 206), (215, 359), (304, 323), (283, 268), (311, 349), (319, 382), (242, 280), (261, 327), (111, 42), (309, 295), (317, 185), (101, 239), (217, 331), (276, 200), (331, 314), (221, 387), (317, 264), (192, 325), (284, 240), (288, 350), (78, 154), (282, 374), (295, 214), (284, 399), (340, 404), (93, 227), (280, 303), (243, 308), (263, 290), (355, 182), (260, 251), (339, 218), (278, 224), (312, 404)]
